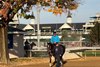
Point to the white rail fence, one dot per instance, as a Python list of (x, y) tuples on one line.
[(70, 46)]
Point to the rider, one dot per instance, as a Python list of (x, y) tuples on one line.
[(57, 49), (55, 38)]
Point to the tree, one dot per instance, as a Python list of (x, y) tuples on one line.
[(8, 8), (95, 34), (68, 36)]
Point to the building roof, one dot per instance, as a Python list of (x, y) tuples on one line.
[(65, 26), (15, 19), (50, 26), (28, 26)]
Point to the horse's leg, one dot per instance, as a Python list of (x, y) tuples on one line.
[(54, 62), (50, 61)]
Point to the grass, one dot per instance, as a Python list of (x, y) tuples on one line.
[(91, 53), (40, 54)]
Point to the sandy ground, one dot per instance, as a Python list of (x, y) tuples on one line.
[(43, 62)]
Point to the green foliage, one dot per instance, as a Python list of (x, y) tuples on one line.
[(87, 37), (69, 37), (64, 35), (29, 16), (95, 34)]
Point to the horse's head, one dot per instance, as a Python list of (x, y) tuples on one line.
[(50, 48), (32, 45), (50, 45)]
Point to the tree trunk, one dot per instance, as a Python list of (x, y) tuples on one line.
[(4, 54)]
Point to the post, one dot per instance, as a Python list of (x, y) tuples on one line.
[(80, 39), (80, 43), (38, 25)]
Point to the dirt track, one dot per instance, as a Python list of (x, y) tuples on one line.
[(43, 62)]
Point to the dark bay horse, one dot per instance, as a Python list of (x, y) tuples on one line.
[(28, 46), (51, 51)]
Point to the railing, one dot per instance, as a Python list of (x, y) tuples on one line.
[(59, 33), (72, 49), (71, 46)]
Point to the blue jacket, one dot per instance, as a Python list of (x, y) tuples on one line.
[(55, 39)]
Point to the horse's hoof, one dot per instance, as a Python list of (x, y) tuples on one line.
[(50, 65), (61, 62)]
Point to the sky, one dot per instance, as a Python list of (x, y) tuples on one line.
[(86, 9)]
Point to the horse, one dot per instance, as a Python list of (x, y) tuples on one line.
[(51, 53), (28, 46), (32, 45)]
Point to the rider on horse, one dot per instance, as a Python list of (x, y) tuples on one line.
[(58, 51), (55, 38)]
